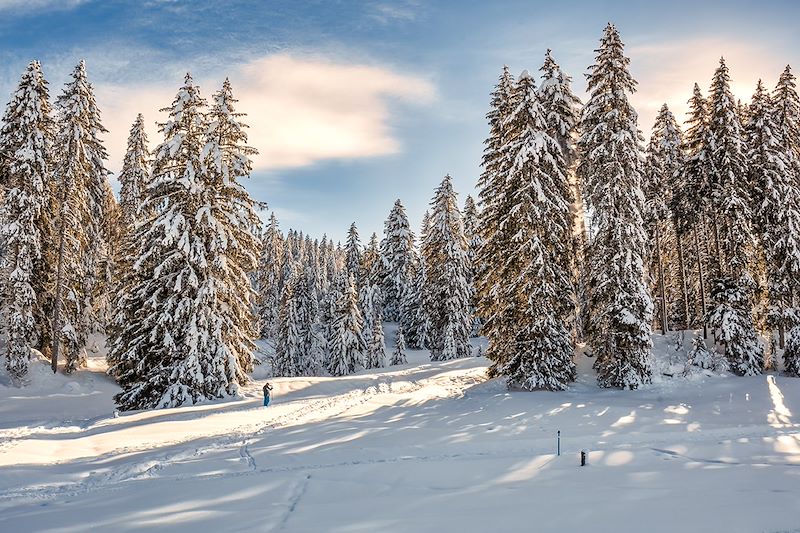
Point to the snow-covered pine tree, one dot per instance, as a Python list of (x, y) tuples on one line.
[(177, 348), (135, 174), (25, 232), (776, 196), (269, 282), (664, 160), (691, 210), (354, 255), (791, 353), (562, 114), (371, 264), (376, 350), (307, 308), (347, 346), (371, 305), (786, 117), (494, 197), (473, 237), (731, 201), (620, 308), (399, 353), (447, 271), (731, 318), (289, 341), (534, 347), (232, 244), (412, 315), (82, 198), (398, 257)]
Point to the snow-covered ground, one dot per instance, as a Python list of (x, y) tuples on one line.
[(422, 447)]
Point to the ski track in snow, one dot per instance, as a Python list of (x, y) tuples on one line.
[(309, 410), (297, 495), (677, 426)]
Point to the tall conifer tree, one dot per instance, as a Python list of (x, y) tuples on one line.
[(25, 232), (619, 304)]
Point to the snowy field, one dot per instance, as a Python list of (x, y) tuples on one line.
[(423, 447)]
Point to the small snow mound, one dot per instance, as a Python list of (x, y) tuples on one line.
[(71, 387)]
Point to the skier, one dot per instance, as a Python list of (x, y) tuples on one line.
[(267, 390)]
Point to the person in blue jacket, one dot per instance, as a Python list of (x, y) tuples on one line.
[(267, 390)]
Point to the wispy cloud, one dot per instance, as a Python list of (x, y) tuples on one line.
[(301, 110), (385, 12), (39, 5)]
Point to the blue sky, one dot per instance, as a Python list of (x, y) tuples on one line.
[(354, 104)]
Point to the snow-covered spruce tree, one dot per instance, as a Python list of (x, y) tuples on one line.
[(562, 114), (134, 179), (731, 200), (135, 174), (233, 246), (620, 308), (691, 210), (269, 282), (664, 160), (776, 195), (732, 320), (495, 198), (81, 191), (307, 307), (188, 341), (25, 232), (535, 348), (413, 317), (791, 353), (399, 353), (289, 341), (786, 116), (447, 271), (473, 237), (347, 346), (372, 304), (371, 264), (354, 255), (397, 255)]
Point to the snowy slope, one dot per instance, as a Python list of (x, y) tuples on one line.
[(423, 447)]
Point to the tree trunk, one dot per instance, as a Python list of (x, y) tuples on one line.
[(701, 275), (682, 275), (62, 240), (657, 231), (717, 246)]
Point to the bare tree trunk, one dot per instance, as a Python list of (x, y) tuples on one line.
[(701, 275), (664, 327), (62, 239), (579, 238), (717, 246), (682, 275)]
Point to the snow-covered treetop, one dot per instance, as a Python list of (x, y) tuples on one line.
[(135, 174), (665, 158), (224, 124), (27, 129), (787, 110), (353, 252), (178, 156), (610, 142), (560, 104)]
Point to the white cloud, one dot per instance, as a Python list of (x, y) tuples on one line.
[(385, 13), (39, 5), (300, 110)]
